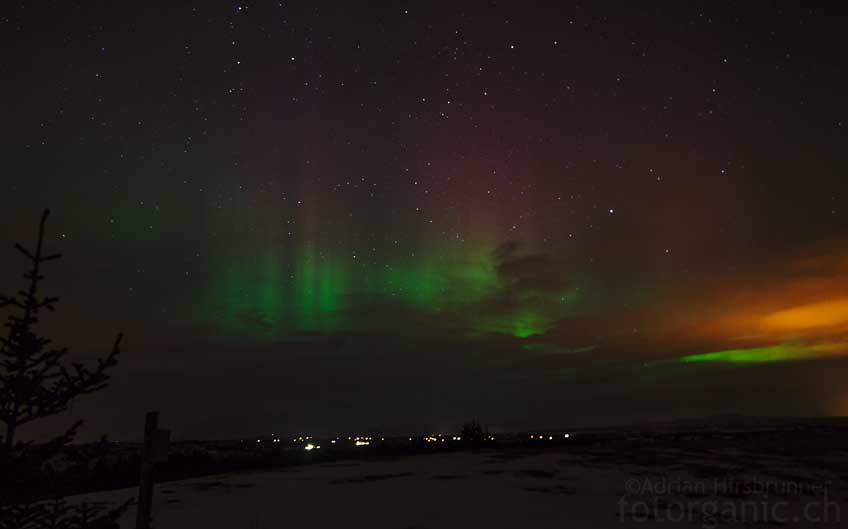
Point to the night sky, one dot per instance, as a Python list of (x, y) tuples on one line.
[(316, 217)]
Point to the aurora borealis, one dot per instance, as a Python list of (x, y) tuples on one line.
[(323, 216), (263, 298)]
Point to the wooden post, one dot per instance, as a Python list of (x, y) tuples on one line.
[(145, 483)]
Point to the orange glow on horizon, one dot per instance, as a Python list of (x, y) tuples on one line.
[(821, 315)]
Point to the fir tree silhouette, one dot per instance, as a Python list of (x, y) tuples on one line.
[(37, 381)]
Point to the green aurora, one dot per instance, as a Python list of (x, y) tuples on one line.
[(758, 355), (266, 296), (755, 355)]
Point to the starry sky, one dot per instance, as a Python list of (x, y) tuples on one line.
[(395, 216)]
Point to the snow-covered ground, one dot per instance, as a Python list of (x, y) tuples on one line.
[(495, 489)]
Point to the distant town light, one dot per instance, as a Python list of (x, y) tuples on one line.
[(310, 446)]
